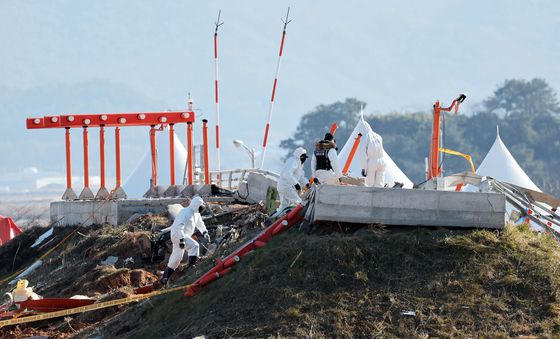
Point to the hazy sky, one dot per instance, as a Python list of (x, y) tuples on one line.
[(395, 55)]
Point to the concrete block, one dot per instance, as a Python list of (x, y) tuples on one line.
[(102, 194), (173, 191), (204, 190), (86, 213), (69, 195), (188, 191), (113, 212), (87, 194), (407, 207), (155, 191), (201, 190), (254, 190), (119, 193)]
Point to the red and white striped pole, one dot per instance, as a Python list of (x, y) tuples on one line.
[(218, 24), (267, 128)]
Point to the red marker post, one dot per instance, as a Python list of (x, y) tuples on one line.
[(69, 193), (267, 128), (119, 191), (218, 165), (205, 152), (102, 193), (86, 194), (352, 153)]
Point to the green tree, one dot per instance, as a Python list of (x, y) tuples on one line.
[(524, 98), (532, 136)]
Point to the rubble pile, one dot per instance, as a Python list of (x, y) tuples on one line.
[(107, 263)]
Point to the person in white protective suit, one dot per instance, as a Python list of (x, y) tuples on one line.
[(182, 230), (292, 179), (324, 162), (373, 164)]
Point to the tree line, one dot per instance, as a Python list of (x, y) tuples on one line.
[(527, 113)]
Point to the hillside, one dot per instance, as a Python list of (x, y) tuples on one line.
[(460, 283)]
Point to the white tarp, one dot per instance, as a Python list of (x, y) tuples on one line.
[(138, 182), (501, 165), (392, 172), (43, 237)]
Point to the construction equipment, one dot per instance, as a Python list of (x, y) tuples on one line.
[(466, 156), (434, 166)]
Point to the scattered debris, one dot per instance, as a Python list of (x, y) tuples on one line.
[(103, 279), (22, 292), (43, 237), (111, 260), (25, 273), (255, 188), (297, 257), (133, 218)]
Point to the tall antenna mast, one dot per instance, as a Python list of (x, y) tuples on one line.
[(217, 24), (286, 22)]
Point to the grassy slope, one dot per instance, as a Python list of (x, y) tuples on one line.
[(459, 283)]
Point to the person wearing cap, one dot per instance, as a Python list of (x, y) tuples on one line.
[(324, 162), (292, 179)]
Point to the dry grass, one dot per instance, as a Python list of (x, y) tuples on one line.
[(461, 283)]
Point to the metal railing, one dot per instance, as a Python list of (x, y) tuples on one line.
[(231, 179)]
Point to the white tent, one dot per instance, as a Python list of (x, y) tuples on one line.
[(138, 182), (501, 165), (392, 172)]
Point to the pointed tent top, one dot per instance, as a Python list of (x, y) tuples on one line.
[(498, 131), (138, 181), (362, 112), (500, 164)]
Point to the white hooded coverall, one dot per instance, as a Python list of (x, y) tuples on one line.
[(183, 228), (373, 162), (330, 177), (291, 174)]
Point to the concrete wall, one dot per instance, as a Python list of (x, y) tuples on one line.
[(407, 207), (83, 212), (113, 212)]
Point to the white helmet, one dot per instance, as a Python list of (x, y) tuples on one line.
[(299, 152), (196, 202)]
